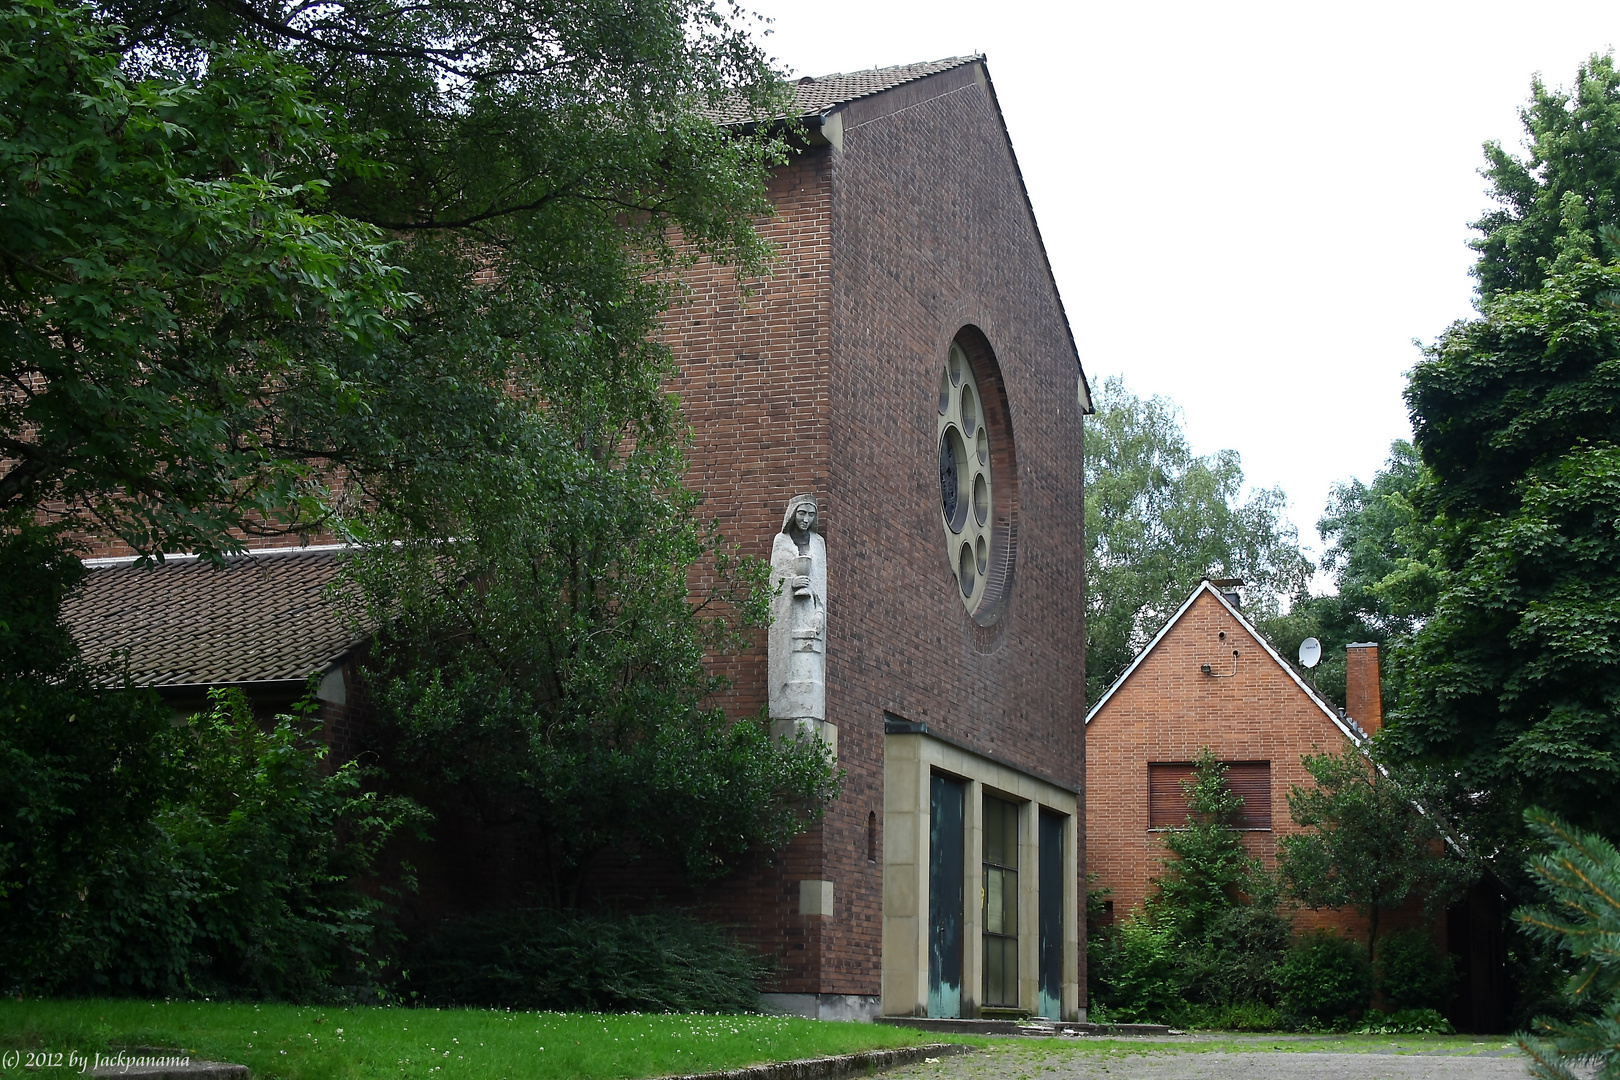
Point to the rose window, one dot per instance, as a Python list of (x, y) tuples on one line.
[(965, 489)]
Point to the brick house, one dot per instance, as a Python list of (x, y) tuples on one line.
[(1210, 679), (911, 330)]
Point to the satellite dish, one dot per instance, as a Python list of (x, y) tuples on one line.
[(1310, 652)]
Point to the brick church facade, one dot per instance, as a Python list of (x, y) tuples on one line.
[(909, 363), (906, 233)]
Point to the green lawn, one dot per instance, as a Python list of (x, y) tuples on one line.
[(287, 1042)]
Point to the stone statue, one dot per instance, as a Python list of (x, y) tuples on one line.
[(798, 656)]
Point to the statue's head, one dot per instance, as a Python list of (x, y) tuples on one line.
[(801, 515)]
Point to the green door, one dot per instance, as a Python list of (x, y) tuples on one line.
[(1051, 917), (947, 845)]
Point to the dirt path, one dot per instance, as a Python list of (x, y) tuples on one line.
[(1474, 1062)]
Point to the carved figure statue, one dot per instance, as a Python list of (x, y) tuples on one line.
[(798, 653)]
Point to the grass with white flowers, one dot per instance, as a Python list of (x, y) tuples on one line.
[(289, 1042)]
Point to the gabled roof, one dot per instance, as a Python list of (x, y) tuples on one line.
[(1204, 586), (814, 95), (818, 94), (817, 99), (261, 617)]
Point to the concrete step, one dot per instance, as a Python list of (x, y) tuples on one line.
[(1047, 1028)]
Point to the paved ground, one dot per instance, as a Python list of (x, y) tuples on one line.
[(1488, 1061)]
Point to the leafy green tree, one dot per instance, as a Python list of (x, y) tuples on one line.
[(547, 673), (1159, 518), (395, 269), (1376, 544), (1580, 873), (177, 305), (1573, 154), (1510, 686), (1367, 843), (1219, 903), (268, 266)]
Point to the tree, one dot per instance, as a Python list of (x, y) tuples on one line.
[(1368, 845), (394, 269), (1217, 902), (176, 304), (545, 675), (1580, 873), (1377, 547), (1511, 686), (269, 266), (1573, 154), (1160, 518), (1372, 535), (1209, 869)]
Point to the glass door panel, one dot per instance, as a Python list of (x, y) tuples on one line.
[(1000, 902), (1051, 916)]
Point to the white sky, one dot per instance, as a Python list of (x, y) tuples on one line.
[(1251, 208)]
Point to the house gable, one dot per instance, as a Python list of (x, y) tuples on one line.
[(1175, 649), (1166, 708)]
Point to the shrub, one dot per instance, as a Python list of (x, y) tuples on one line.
[(241, 881), (1412, 973), (1140, 975), (275, 847), (1324, 980), (1243, 1016), (81, 774), (571, 961), (1406, 1022), (1236, 961)]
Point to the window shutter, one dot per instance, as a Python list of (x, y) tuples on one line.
[(1249, 781), (1167, 803)]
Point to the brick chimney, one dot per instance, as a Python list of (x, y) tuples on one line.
[(1362, 698)]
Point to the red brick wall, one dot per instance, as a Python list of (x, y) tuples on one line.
[(1167, 710), (932, 233), (1363, 693), (754, 386), (825, 381)]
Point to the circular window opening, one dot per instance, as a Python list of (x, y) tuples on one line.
[(975, 456)]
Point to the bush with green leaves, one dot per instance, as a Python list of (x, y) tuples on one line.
[(1140, 981), (139, 858), (1413, 973), (81, 776), (1580, 873), (275, 847), (1218, 902), (1406, 1022), (597, 962), (1212, 933), (1325, 981)]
